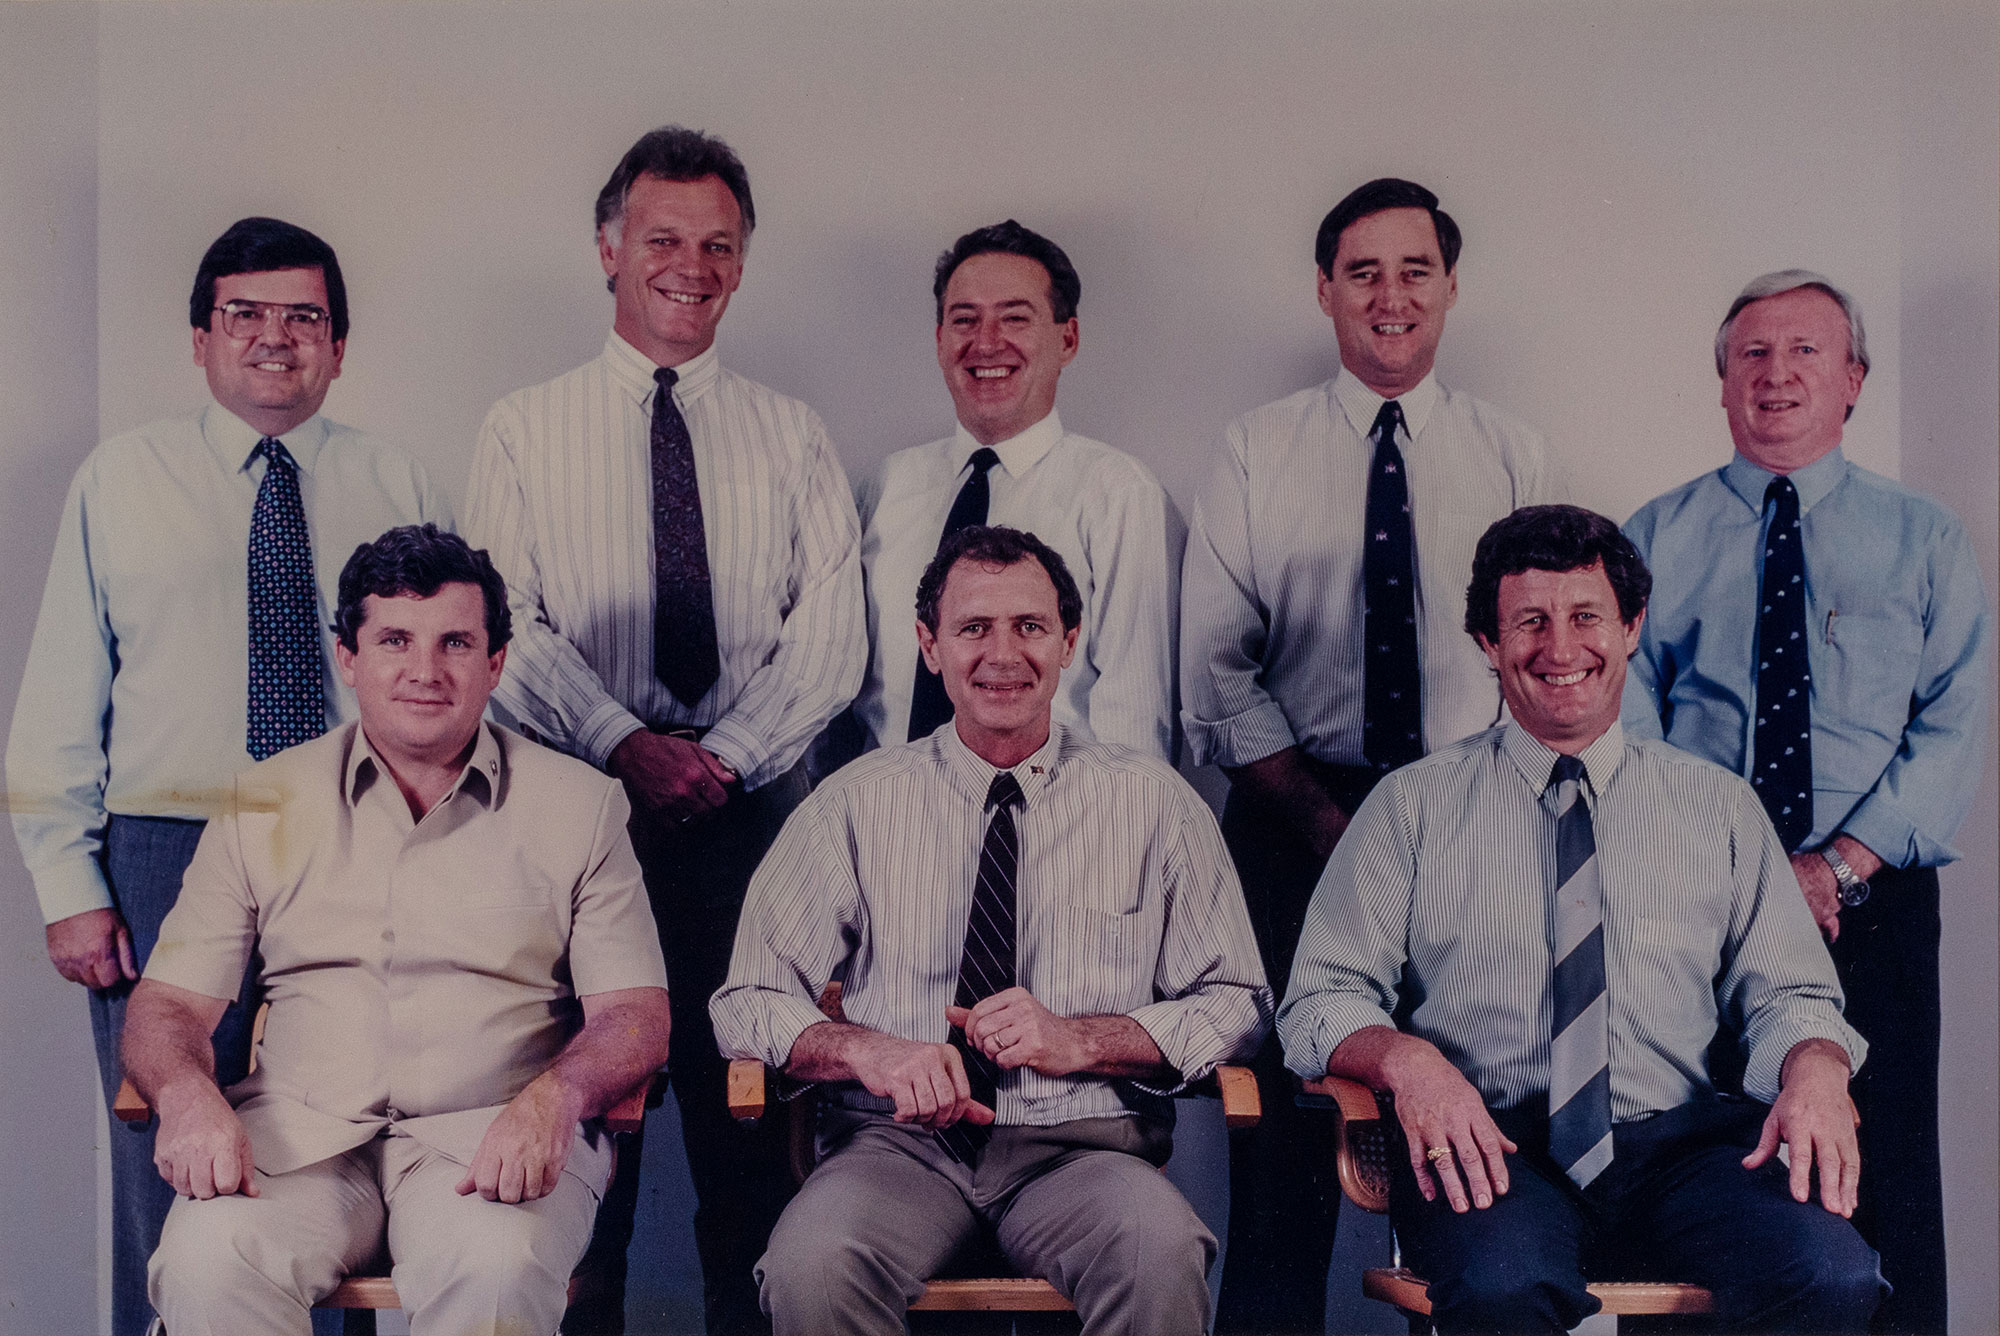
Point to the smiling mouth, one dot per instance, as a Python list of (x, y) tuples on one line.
[(1776, 405), (272, 366), (1565, 679), (1393, 329), (685, 298), (991, 372)]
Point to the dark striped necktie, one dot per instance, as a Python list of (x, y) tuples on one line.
[(287, 681), (1392, 685), (929, 705), (987, 967), (1580, 1045), (685, 657), (1781, 752)]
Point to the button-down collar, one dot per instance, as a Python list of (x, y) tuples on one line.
[(1813, 482), (235, 441), (1361, 404), (1018, 453), (633, 371), (479, 780)]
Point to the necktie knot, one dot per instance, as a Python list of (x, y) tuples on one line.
[(1005, 791), (666, 378), (1780, 491), (1387, 418), (1568, 770), (984, 458), (275, 453)]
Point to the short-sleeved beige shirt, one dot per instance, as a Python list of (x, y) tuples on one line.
[(418, 973)]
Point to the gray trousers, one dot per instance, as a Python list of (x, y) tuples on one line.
[(1081, 1204)]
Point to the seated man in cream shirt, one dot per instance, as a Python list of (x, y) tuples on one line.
[(461, 971)]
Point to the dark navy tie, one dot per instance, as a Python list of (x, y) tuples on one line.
[(1580, 1030), (987, 967), (685, 657), (929, 706), (287, 692), (1781, 757), (1392, 693)]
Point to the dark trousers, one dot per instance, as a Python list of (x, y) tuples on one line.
[(1675, 1204), (1284, 1196), (1887, 955), (695, 877), (143, 860)]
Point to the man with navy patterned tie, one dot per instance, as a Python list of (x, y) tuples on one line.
[(1823, 631), (182, 634), (1041, 939), (679, 544), (1320, 604), (1529, 938)]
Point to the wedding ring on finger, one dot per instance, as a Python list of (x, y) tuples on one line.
[(1436, 1153)]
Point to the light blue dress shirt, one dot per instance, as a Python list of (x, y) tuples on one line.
[(1899, 637)]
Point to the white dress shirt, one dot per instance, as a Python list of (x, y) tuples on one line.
[(1126, 902), (1100, 509), (135, 691), (561, 495), (1272, 594), (1440, 895)]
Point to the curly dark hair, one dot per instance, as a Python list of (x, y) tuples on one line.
[(419, 559), (1552, 538), (997, 545)]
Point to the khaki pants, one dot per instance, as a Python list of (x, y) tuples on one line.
[(1082, 1204), (463, 1266)]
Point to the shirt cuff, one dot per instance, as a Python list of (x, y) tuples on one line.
[(1188, 1040), (602, 730), (740, 749), (71, 888), (761, 1023), (1312, 1029), (1763, 1072), (1250, 736), (1891, 836)]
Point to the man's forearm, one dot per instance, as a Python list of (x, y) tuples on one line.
[(825, 1051), (1119, 1046), (1815, 1058), (623, 1040), (1380, 1057), (166, 1050)]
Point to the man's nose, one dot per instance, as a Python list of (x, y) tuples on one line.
[(274, 328)]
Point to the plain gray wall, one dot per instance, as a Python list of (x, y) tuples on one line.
[(1619, 169)]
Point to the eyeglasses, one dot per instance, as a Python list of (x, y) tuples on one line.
[(302, 321)]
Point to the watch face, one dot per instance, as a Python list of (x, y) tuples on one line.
[(1854, 893)]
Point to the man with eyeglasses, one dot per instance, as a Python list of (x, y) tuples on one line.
[(183, 627)]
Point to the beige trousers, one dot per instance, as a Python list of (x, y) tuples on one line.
[(1082, 1205), (463, 1266)]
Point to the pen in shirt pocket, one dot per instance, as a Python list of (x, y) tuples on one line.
[(1831, 613)]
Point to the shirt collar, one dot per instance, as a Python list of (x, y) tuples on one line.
[(1361, 404), (974, 776), (633, 371), (480, 780), (1537, 763), (1812, 482), (1017, 453), (233, 440)]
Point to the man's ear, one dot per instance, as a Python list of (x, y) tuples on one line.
[(927, 646)]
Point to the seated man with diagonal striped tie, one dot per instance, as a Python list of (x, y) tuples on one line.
[(1042, 938), (1561, 915)]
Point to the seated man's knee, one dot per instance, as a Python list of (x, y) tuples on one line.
[(1504, 1290), (220, 1252), (1833, 1284), (1143, 1268), (813, 1267)]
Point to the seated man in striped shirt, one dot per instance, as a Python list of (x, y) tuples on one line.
[(1023, 989), (1561, 915)]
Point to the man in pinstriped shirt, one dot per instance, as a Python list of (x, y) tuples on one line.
[(1443, 907), (1135, 972), (680, 550)]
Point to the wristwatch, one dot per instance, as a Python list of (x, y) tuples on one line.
[(1853, 890)]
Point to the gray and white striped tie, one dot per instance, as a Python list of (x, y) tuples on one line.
[(1580, 1048)]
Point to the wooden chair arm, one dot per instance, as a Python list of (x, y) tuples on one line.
[(129, 1106), (746, 1090), (1365, 1142), (1241, 1104)]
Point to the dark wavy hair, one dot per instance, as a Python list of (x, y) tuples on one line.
[(997, 545), (257, 246), (1552, 538), (419, 559), (1010, 238), (1386, 192)]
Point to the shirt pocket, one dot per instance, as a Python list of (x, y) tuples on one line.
[(1092, 962), (1668, 962), (1872, 654)]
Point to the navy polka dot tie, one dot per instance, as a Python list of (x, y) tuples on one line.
[(1392, 687), (1781, 757), (287, 695)]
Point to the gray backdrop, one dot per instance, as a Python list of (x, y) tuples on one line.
[(1619, 169)]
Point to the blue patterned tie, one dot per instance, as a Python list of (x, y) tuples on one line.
[(1781, 759), (685, 657), (1580, 1032), (1392, 685), (287, 694), (987, 966), (929, 705)]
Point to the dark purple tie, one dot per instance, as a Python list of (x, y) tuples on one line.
[(685, 657), (987, 967), (929, 705), (1392, 691)]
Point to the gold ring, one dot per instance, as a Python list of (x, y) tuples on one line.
[(1436, 1153)]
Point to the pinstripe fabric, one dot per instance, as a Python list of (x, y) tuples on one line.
[(561, 495), (1272, 604), (1580, 1031), (1126, 903), (1439, 894)]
